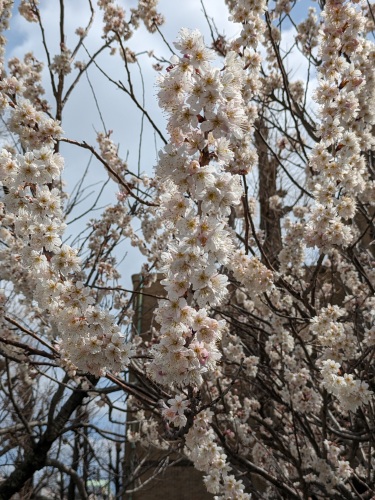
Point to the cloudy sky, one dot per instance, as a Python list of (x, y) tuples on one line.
[(81, 117)]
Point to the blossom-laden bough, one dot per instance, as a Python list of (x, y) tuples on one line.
[(258, 367)]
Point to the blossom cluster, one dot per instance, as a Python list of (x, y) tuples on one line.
[(27, 9), (207, 120), (174, 411), (90, 338), (187, 346), (308, 31), (332, 472), (249, 14), (146, 10), (114, 18), (351, 392), (28, 73), (336, 336), (336, 159), (202, 120), (211, 459), (292, 255), (251, 273), (205, 113), (62, 63), (5, 15), (33, 127)]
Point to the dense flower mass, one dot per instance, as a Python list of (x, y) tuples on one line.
[(344, 96), (90, 339), (244, 345), (206, 123), (210, 458)]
